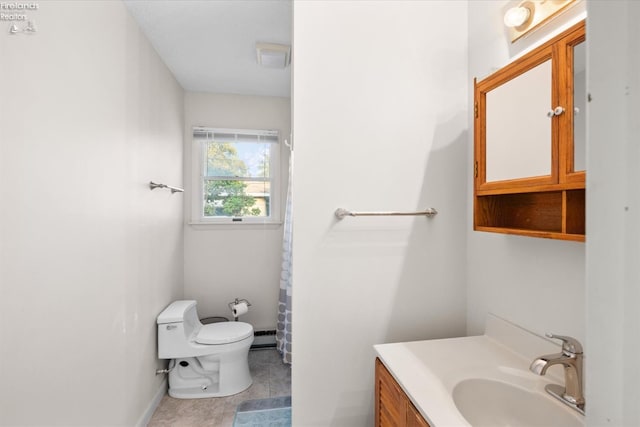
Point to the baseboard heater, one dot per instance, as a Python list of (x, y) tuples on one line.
[(264, 339)]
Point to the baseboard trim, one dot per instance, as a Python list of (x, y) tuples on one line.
[(153, 405), (259, 346)]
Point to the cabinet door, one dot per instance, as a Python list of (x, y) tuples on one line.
[(518, 137), (573, 129), (515, 133), (393, 407), (391, 404), (414, 419), (529, 119)]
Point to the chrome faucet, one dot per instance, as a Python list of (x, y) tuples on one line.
[(571, 359)]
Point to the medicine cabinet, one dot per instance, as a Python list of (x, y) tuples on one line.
[(529, 117)]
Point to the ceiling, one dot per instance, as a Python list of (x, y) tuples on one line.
[(209, 45)]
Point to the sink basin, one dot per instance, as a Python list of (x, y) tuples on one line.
[(485, 402)]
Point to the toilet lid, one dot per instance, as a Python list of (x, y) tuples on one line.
[(224, 332)]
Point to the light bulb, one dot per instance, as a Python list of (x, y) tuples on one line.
[(516, 16)]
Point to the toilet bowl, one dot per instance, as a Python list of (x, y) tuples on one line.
[(206, 360)]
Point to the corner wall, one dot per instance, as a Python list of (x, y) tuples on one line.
[(88, 254), (613, 203), (223, 262), (536, 283), (380, 121)]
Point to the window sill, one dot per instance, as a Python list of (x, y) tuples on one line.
[(240, 225)]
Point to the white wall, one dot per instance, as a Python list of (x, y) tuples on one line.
[(223, 262), (380, 110), (613, 221), (88, 254), (536, 283)]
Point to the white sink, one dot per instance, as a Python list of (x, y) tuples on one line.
[(490, 403), (480, 380)]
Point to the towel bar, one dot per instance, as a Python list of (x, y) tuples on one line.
[(153, 186), (340, 213)]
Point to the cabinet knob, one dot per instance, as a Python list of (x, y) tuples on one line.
[(555, 112)]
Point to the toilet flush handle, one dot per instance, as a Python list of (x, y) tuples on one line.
[(171, 327)]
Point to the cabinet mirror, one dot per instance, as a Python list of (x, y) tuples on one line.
[(518, 131), (579, 106)]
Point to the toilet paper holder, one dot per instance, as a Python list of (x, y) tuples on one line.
[(234, 303)]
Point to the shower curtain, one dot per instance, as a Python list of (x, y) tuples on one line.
[(283, 327)]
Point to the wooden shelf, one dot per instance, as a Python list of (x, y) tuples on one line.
[(575, 208), (551, 214), (533, 233), (532, 189)]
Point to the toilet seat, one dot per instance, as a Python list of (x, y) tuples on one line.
[(224, 332)]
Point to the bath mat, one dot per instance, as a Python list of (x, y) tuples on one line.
[(272, 412)]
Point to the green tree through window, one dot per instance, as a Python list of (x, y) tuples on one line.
[(236, 175), (224, 197)]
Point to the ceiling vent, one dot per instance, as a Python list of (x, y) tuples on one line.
[(273, 55)]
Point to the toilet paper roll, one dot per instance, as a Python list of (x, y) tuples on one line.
[(239, 309)]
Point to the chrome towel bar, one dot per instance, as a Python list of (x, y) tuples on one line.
[(153, 186), (340, 213)]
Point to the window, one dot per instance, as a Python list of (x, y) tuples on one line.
[(237, 170)]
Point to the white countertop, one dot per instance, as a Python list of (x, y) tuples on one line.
[(428, 370)]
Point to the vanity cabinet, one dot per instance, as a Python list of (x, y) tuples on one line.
[(529, 133), (393, 407)]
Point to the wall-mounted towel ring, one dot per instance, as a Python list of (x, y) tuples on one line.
[(153, 186)]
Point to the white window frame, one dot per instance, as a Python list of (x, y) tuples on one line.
[(198, 176)]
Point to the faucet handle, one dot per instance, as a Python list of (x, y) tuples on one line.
[(569, 344)]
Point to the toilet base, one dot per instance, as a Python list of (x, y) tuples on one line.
[(198, 393), (209, 376)]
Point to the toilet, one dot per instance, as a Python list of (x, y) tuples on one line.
[(206, 360)]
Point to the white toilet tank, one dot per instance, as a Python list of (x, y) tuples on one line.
[(176, 324)]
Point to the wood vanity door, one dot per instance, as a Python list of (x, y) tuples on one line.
[(414, 419), (393, 407), (390, 402)]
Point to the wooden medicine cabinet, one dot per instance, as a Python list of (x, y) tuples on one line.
[(529, 132)]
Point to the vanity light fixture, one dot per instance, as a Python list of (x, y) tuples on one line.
[(518, 16), (272, 55), (528, 15)]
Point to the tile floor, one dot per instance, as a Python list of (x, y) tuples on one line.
[(271, 378)]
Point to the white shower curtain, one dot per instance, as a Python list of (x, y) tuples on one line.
[(283, 327)]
